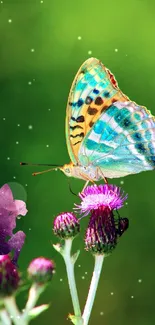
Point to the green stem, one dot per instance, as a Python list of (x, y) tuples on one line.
[(66, 253), (4, 317), (34, 293), (93, 288), (13, 311)]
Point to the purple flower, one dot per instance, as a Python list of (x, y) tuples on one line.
[(98, 197), (104, 228), (9, 210), (9, 276), (41, 270)]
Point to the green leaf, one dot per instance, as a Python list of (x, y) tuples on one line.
[(36, 311), (75, 319), (75, 257), (58, 248)]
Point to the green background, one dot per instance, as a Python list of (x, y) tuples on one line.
[(34, 87)]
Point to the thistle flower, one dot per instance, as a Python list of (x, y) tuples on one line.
[(9, 276), (103, 228), (9, 210), (66, 225), (41, 270)]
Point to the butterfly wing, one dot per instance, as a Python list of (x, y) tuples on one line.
[(93, 90), (121, 142)]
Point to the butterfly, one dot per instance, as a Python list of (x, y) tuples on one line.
[(107, 134)]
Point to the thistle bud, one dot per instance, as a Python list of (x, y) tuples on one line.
[(41, 270), (66, 225), (9, 276)]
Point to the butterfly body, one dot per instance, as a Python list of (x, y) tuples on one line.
[(107, 134)]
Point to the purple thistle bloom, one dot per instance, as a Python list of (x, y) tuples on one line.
[(41, 270), (9, 276), (9, 210), (98, 197)]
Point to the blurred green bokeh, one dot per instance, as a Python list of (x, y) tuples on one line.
[(40, 52)]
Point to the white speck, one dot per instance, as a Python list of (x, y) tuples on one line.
[(34, 79), (25, 184), (47, 146), (14, 177), (126, 203), (17, 142), (18, 124), (116, 50), (79, 265), (111, 293), (1, 1), (139, 280), (8, 158), (18, 217), (29, 228), (61, 280), (79, 38), (83, 277), (32, 50), (86, 272), (18, 317), (9, 21), (132, 297), (121, 182), (11, 316), (49, 109), (89, 52), (23, 310), (30, 127), (126, 55), (4, 118), (30, 83), (41, 1), (101, 313)]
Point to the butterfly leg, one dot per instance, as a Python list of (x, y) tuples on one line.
[(87, 182), (100, 173)]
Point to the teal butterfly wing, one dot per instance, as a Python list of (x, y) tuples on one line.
[(93, 90), (121, 142)]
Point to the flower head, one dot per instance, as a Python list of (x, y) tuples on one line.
[(66, 225), (41, 270), (98, 197), (9, 210), (9, 276)]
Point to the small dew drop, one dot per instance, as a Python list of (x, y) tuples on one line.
[(101, 313), (9, 21), (11, 316), (89, 52), (18, 124), (111, 293), (4, 118), (30, 83), (23, 310), (18, 217), (29, 228), (139, 280), (83, 277), (79, 265), (25, 184), (126, 203), (17, 142), (121, 182), (49, 109), (86, 272), (32, 50), (79, 38), (8, 158), (18, 317), (41, 1), (116, 50), (34, 79), (14, 177), (1, 1), (61, 280), (47, 146), (30, 127), (132, 297)]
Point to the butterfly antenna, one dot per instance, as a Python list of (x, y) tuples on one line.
[(42, 172)]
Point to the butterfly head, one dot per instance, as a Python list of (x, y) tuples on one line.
[(68, 169)]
